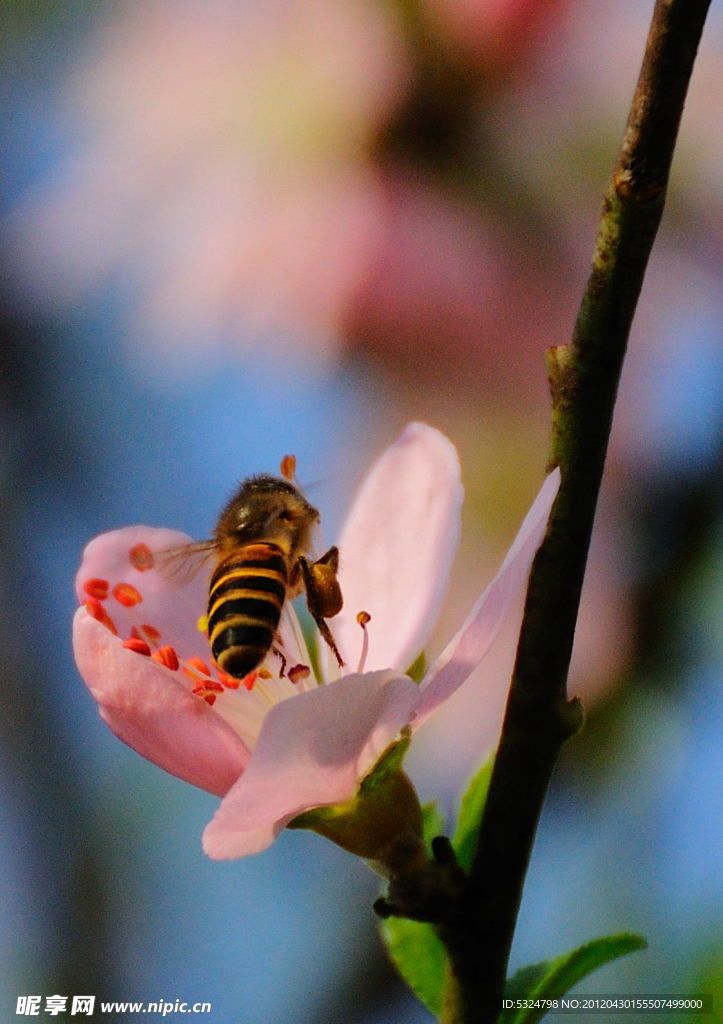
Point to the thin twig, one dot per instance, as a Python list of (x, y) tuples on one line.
[(584, 378)]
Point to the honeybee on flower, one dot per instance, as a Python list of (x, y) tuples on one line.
[(260, 545), (291, 743)]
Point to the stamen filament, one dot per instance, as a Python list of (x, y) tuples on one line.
[(291, 620), (363, 618)]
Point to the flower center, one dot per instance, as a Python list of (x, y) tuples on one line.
[(119, 607)]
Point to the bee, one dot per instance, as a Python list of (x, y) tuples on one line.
[(261, 545)]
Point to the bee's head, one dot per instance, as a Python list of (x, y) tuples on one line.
[(268, 508)]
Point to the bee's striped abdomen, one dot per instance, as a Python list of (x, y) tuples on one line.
[(245, 598)]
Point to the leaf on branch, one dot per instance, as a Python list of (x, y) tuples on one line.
[(414, 948), (432, 822), (470, 814), (553, 978), (419, 957)]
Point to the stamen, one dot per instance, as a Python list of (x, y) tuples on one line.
[(166, 656), (288, 467), (208, 690), (139, 646), (95, 609), (249, 679), (264, 673), (96, 588), (229, 681), (363, 618), (151, 632), (298, 672), (199, 664), (141, 557), (126, 594)]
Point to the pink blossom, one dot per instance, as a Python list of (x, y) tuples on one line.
[(498, 35), (217, 150), (272, 747)]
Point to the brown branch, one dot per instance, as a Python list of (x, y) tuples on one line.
[(584, 378)]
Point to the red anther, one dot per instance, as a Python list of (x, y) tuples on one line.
[(264, 673), (230, 682), (250, 679), (166, 656), (199, 665), (98, 612), (141, 557), (298, 672), (94, 608), (288, 467), (139, 646), (151, 632), (363, 618), (208, 690), (200, 691), (208, 686), (126, 594), (96, 588)]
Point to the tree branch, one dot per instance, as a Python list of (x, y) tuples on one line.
[(584, 377)]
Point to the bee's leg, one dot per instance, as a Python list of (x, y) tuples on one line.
[(326, 585), (277, 651), (323, 593)]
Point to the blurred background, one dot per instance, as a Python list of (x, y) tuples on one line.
[(240, 228)]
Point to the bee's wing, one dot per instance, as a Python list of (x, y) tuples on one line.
[(180, 565)]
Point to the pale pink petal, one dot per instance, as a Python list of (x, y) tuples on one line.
[(149, 708), (313, 750), (397, 548), (173, 595), (471, 644)]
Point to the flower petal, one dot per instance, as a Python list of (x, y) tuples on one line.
[(397, 548), (313, 750), (154, 713), (467, 649), (172, 597)]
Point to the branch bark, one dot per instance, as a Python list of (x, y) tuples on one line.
[(584, 378)]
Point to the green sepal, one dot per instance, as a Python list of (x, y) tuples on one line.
[(388, 764), (553, 978), (382, 822), (418, 669)]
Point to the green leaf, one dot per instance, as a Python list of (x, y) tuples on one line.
[(525, 981), (417, 953), (432, 822), (470, 814), (553, 978), (413, 947), (419, 957)]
